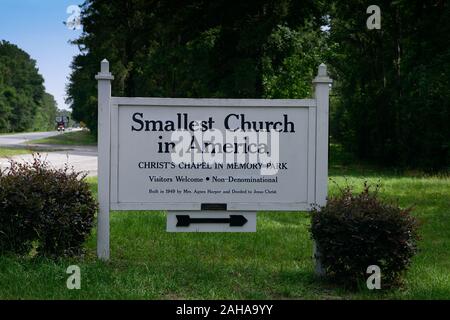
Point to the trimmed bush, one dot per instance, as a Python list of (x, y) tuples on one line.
[(354, 231), (45, 209)]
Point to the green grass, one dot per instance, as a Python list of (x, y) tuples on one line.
[(78, 138), (6, 152), (13, 133), (273, 263), (9, 152)]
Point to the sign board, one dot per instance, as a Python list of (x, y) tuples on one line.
[(215, 168), (231, 155)]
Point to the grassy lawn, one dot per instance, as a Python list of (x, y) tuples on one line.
[(273, 263), (6, 152), (77, 138), (9, 152)]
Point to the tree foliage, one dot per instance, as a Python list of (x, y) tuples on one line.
[(246, 49), (390, 102), (24, 104), (393, 97), (46, 113)]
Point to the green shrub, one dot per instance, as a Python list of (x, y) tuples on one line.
[(50, 210), (354, 231)]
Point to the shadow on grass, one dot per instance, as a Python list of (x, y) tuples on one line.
[(342, 163)]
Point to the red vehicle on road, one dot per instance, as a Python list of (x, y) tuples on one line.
[(61, 123)]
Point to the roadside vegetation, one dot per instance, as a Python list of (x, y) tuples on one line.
[(7, 152), (273, 263), (10, 152), (24, 103), (76, 138)]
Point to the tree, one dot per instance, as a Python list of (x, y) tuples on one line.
[(24, 104), (46, 113), (392, 84), (196, 48)]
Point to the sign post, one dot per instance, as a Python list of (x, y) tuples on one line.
[(104, 141), (210, 163), (321, 90)]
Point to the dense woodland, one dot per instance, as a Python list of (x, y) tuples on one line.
[(390, 99), (24, 104)]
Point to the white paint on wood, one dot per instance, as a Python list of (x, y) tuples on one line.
[(322, 89), (196, 206), (104, 96), (312, 182), (187, 102), (290, 192)]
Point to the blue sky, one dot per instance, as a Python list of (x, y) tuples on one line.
[(36, 26)]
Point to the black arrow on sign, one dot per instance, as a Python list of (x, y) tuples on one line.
[(233, 220)]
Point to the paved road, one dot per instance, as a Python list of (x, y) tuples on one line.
[(19, 138), (81, 158)]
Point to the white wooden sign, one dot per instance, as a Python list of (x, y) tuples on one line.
[(234, 155)]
